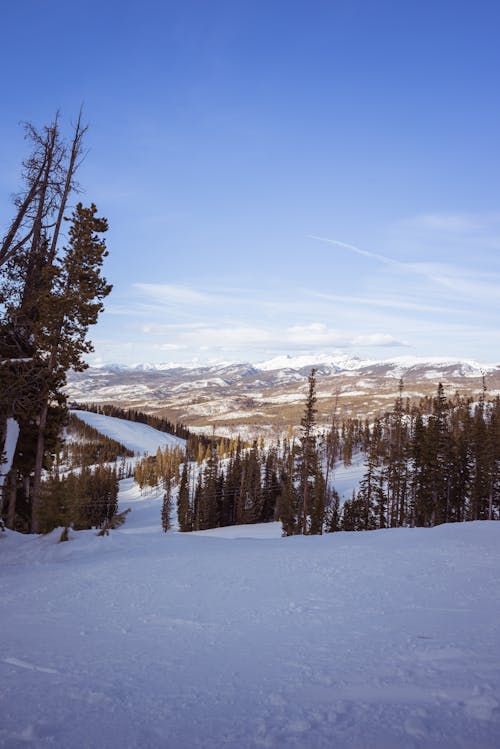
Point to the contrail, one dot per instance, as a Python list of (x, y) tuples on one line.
[(358, 250), (440, 277)]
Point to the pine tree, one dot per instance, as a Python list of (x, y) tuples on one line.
[(197, 502), (318, 501), (396, 463), (289, 498), (308, 455), (333, 512), (184, 514), (372, 495), (270, 488), (252, 496), (49, 295), (166, 509), (481, 481)]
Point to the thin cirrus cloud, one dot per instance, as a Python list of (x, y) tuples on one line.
[(172, 294), (304, 301), (297, 336), (450, 278), (455, 224), (212, 329), (428, 303), (378, 339), (357, 250), (382, 301)]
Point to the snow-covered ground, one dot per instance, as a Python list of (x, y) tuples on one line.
[(138, 437), (238, 638)]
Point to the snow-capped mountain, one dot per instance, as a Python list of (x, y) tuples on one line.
[(272, 392)]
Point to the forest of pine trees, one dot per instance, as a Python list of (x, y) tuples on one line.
[(424, 464), (437, 463)]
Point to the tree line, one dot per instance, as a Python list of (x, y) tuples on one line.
[(424, 464), (437, 463)]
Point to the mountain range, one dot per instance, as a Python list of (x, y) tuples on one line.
[(271, 394)]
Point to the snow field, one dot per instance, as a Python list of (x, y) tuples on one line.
[(238, 638), (141, 438), (378, 640)]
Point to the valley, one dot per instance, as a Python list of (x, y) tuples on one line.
[(269, 397)]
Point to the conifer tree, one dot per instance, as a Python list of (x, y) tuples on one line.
[(270, 488), (308, 455), (184, 514), (251, 494), (318, 502), (396, 463), (49, 296), (71, 303), (333, 512), (371, 495), (197, 503), (166, 509)]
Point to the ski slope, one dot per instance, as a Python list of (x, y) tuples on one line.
[(138, 437), (237, 638)]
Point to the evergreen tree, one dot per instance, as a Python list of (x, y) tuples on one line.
[(49, 295), (333, 512), (371, 490), (308, 454), (318, 502), (166, 509), (184, 514), (270, 488), (396, 462), (251, 492)]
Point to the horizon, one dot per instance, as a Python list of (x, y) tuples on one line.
[(312, 358), (277, 178)]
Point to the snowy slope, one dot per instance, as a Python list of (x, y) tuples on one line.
[(380, 640), (140, 438), (306, 361)]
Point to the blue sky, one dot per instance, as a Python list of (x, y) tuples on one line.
[(279, 176)]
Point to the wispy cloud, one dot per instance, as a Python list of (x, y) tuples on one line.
[(171, 294), (451, 223), (429, 306), (452, 277), (303, 336), (382, 301), (357, 250), (167, 328), (378, 339), (456, 235)]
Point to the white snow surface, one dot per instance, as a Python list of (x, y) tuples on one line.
[(8, 448), (237, 638), (400, 364), (141, 438), (337, 360)]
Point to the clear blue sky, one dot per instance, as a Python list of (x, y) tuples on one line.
[(224, 136)]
